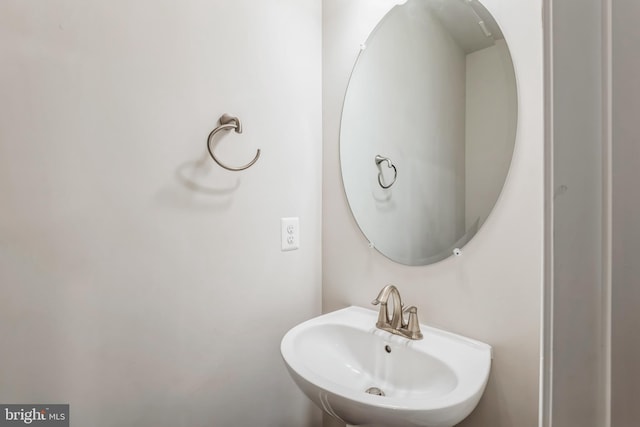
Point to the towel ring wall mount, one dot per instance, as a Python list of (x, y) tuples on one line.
[(228, 122)]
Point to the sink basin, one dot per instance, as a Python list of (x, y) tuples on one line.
[(365, 376)]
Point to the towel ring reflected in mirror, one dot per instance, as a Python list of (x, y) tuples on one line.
[(379, 160)]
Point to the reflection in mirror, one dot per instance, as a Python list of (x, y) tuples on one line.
[(434, 91)]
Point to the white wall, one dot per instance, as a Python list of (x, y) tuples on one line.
[(135, 298), (493, 291), (490, 127)]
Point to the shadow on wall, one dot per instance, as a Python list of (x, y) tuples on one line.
[(195, 174), (198, 185)]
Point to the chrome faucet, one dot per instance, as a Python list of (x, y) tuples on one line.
[(397, 324)]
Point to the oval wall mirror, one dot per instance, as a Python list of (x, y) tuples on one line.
[(428, 128)]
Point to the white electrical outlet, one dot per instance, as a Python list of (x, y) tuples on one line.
[(290, 233)]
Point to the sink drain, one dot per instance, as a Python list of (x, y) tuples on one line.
[(374, 390)]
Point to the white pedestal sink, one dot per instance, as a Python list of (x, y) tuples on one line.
[(365, 376)]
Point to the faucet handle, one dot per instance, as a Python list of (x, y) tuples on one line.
[(383, 319), (384, 293), (383, 315), (413, 325)]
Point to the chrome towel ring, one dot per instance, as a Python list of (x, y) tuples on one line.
[(380, 159), (227, 123)]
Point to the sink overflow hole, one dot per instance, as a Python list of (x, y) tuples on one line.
[(387, 349), (375, 391)]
